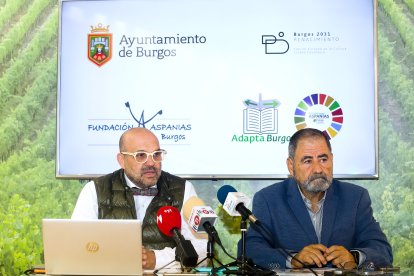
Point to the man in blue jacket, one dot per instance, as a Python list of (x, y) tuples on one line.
[(319, 221)]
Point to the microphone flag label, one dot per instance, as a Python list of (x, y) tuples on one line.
[(232, 200), (199, 215)]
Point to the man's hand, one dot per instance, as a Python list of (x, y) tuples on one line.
[(310, 255), (148, 259), (340, 257)]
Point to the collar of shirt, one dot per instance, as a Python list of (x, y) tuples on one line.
[(132, 185), (308, 202), (141, 202), (317, 216)]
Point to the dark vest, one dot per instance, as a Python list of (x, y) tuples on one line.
[(115, 201)]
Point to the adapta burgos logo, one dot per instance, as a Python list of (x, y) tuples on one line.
[(99, 44), (260, 122), (274, 44), (319, 111)]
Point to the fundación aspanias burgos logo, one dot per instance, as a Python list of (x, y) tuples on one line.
[(99, 44), (319, 111), (172, 131)]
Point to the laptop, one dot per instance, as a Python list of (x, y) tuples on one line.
[(92, 247)]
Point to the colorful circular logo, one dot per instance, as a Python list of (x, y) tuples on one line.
[(319, 111)]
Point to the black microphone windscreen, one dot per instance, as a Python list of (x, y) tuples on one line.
[(223, 191)]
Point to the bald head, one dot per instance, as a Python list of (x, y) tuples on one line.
[(129, 138)]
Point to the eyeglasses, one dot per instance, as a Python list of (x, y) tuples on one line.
[(142, 156)]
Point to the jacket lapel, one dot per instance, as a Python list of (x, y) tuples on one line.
[(298, 208), (329, 214)]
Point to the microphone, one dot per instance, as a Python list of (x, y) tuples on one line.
[(201, 218), (169, 223), (234, 203)]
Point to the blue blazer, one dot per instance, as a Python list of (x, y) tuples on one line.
[(347, 221)]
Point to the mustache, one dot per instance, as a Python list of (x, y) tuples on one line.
[(318, 176), (149, 169)]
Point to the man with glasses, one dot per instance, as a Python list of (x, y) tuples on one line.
[(137, 191)]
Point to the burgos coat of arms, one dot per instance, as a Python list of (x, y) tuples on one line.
[(99, 44)]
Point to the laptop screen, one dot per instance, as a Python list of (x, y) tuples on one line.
[(92, 247)]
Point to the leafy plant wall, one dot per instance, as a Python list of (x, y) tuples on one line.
[(30, 192)]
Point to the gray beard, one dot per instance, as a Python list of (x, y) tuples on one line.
[(317, 183)]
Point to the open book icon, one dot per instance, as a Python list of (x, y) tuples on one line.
[(258, 121)]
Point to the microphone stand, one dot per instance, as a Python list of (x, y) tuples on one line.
[(210, 253), (177, 258), (244, 267), (157, 270)]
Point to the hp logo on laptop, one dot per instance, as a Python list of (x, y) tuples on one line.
[(92, 247)]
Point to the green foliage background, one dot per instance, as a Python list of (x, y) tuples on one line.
[(30, 192)]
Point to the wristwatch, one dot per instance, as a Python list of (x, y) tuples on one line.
[(355, 254)]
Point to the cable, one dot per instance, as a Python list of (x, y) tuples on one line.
[(269, 235)]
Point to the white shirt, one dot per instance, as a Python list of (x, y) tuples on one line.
[(87, 208)]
